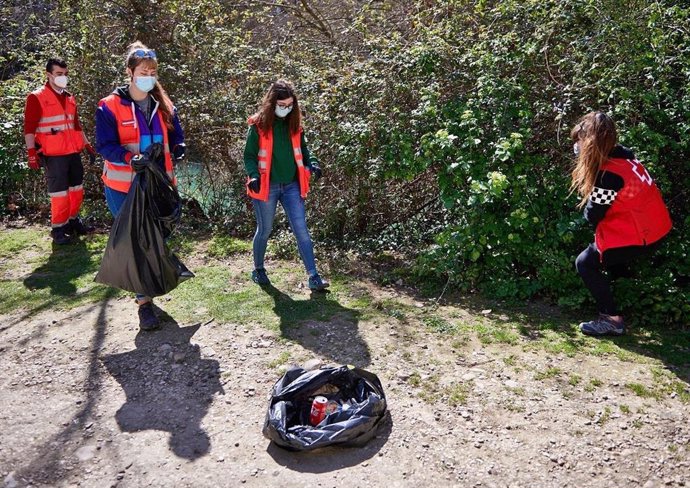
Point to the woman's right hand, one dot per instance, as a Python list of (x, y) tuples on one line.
[(254, 185)]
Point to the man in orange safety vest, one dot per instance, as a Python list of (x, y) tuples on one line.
[(55, 140)]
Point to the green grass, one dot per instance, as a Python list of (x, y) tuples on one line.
[(217, 294), (36, 276), (593, 384), (394, 308), (642, 390), (225, 246), (456, 394), (283, 358), (605, 415), (415, 379), (550, 372), (12, 242), (439, 324)]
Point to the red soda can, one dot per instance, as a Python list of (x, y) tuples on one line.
[(318, 410)]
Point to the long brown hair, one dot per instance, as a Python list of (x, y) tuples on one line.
[(280, 90), (596, 136), (132, 61)]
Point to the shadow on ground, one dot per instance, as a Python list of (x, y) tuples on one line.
[(322, 325), (52, 465), (332, 458), (65, 264), (168, 387)]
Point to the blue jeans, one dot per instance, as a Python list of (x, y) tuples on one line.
[(288, 195), (115, 199)]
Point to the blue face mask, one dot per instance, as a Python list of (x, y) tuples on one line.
[(283, 112), (576, 148), (145, 83)]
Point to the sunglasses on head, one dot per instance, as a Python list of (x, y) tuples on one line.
[(144, 53)]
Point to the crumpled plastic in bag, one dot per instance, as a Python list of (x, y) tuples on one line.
[(287, 419)]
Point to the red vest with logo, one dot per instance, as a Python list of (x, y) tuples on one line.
[(119, 175), (266, 158), (55, 132), (638, 215)]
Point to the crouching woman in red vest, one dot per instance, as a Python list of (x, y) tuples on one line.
[(128, 121), (279, 166), (623, 204)]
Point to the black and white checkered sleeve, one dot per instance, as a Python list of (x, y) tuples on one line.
[(602, 196)]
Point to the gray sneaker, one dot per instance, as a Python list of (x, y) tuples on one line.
[(317, 284), (260, 277), (603, 326)]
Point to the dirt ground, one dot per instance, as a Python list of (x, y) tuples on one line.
[(88, 400)]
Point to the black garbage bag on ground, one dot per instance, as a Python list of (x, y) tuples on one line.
[(136, 257), (357, 396)]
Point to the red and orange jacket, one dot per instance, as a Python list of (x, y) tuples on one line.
[(625, 205), (54, 122)]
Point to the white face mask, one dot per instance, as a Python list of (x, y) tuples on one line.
[(283, 112), (145, 83), (60, 81), (576, 148)]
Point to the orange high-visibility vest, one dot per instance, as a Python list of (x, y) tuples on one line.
[(266, 158), (119, 176), (55, 132)]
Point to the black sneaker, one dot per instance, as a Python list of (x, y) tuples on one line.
[(260, 277), (77, 226), (147, 317), (317, 284), (59, 236)]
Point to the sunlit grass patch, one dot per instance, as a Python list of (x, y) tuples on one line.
[(642, 390), (282, 359), (14, 241), (439, 324), (223, 246), (550, 372), (215, 293), (456, 394), (38, 275), (593, 384)]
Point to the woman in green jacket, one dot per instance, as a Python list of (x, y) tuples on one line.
[(279, 167)]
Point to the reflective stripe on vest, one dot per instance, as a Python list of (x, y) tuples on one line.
[(56, 134), (118, 175)]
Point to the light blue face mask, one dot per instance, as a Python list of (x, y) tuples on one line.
[(145, 83), (576, 148), (283, 112)]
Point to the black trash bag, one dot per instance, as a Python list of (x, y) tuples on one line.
[(358, 394), (136, 258)]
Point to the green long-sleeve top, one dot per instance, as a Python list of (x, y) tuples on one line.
[(283, 166)]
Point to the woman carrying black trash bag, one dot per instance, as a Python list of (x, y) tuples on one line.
[(130, 121), (279, 167), (625, 207)]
